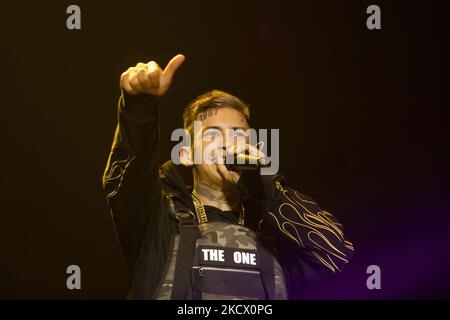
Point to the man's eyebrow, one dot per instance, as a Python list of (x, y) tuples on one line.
[(212, 127), (237, 128), (220, 128)]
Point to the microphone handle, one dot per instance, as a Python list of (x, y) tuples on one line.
[(245, 166)]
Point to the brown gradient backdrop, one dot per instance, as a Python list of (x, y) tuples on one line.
[(362, 119)]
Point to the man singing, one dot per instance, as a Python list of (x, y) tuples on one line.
[(221, 233)]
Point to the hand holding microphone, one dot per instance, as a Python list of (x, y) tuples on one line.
[(237, 160), (245, 161)]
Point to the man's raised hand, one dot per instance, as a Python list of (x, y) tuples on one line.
[(149, 78)]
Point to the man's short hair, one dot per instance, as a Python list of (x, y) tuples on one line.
[(209, 100)]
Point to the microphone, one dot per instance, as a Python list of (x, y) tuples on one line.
[(243, 161)]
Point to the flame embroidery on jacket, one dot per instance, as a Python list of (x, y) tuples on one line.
[(294, 215), (114, 175)]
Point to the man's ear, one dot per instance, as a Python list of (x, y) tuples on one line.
[(186, 156)]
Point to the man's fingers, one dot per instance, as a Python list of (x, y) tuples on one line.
[(144, 80), (254, 151), (246, 148), (223, 171), (154, 72), (133, 80), (125, 83), (173, 65), (229, 176), (239, 149)]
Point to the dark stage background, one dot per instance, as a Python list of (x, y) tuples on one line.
[(362, 117)]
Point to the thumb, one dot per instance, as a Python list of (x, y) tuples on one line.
[(223, 171), (173, 65)]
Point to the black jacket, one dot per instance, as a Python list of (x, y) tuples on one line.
[(307, 241)]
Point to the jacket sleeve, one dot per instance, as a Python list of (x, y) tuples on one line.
[(310, 241), (131, 178)]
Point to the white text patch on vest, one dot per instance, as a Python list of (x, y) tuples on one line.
[(238, 256)]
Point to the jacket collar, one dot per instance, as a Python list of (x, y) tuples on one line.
[(176, 181)]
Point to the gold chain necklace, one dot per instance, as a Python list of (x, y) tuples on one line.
[(201, 213)]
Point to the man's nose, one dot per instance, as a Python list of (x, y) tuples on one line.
[(230, 144)]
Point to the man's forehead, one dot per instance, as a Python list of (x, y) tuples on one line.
[(222, 118)]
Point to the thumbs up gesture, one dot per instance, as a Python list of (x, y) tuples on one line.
[(149, 78)]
